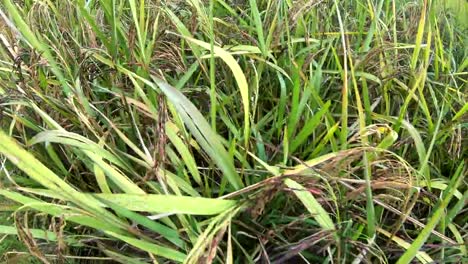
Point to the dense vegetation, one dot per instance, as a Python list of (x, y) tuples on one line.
[(260, 131)]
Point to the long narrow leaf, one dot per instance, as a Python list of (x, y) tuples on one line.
[(238, 75), (155, 202), (311, 204)]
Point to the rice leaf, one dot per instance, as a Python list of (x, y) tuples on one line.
[(154, 202), (312, 205), (238, 75)]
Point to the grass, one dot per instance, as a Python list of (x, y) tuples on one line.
[(250, 132)]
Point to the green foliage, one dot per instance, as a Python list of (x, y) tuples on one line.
[(233, 131)]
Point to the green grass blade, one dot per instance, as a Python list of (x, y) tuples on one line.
[(36, 233), (156, 203), (151, 247), (309, 128), (95, 154), (258, 26), (421, 255), (312, 205), (167, 232), (240, 79), (184, 152), (202, 131), (40, 173), (419, 36), (122, 258), (408, 256), (38, 44)]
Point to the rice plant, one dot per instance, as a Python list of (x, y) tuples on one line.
[(260, 131)]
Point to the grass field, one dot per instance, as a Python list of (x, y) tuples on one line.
[(214, 131)]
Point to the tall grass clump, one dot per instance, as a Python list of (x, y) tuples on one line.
[(218, 131)]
